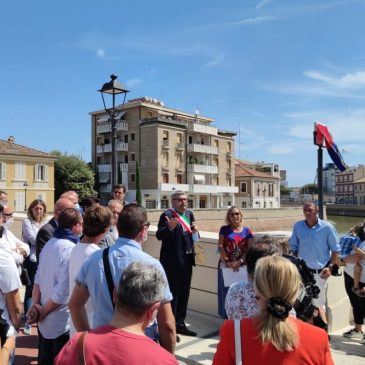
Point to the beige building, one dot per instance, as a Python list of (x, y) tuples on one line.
[(176, 151), (258, 185), (346, 183), (26, 174)]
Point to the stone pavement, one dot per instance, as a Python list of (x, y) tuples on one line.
[(200, 350)]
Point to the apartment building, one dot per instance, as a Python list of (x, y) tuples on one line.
[(346, 183), (258, 184), (26, 174), (176, 150)]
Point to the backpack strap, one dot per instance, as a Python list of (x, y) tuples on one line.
[(108, 273)]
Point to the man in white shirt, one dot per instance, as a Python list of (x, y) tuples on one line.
[(51, 286)]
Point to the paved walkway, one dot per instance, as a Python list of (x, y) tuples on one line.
[(200, 349)]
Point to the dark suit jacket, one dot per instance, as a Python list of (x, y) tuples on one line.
[(174, 243), (44, 235)]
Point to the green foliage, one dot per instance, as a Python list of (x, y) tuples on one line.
[(284, 190), (72, 173), (309, 189)]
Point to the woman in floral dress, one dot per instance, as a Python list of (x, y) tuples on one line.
[(233, 243)]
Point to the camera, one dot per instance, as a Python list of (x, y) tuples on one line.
[(303, 306)]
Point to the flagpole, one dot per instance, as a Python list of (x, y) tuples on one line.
[(320, 175)]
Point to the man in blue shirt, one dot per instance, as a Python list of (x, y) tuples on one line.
[(91, 280), (316, 242)]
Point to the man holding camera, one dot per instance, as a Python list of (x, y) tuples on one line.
[(316, 242)]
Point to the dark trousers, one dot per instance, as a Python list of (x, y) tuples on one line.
[(32, 269), (179, 282), (222, 293), (49, 348), (357, 303)]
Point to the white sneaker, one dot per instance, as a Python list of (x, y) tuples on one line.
[(353, 334), (27, 329)]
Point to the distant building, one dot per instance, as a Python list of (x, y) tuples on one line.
[(26, 174), (257, 188), (176, 150), (283, 180), (329, 179), (346, 182)]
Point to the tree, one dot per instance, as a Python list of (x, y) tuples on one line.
[(138, 184), (72, 173), (309, 189)]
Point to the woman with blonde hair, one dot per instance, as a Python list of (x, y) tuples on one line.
[(272, 336), (233, 243)]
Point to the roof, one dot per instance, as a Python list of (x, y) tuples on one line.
[(9, 147), (361, 180), (244, 171)]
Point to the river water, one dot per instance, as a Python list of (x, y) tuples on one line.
[(344, 223)]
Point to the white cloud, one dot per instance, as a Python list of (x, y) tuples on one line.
[(133, 82), (214, 62), (262, 3), (349, 81), (100, 53), (254, 21)]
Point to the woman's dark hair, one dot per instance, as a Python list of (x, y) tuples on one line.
[(257, 250)]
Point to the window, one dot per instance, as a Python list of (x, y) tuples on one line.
[(40, 172), (133, 178), (126, 138), (165, 159), (150, 204), (179, 178), (133, 136), (215, 143), (133, 157), (179, 138), (164, 204), (19, 171), (2, 170), (229, 147), (243, 204), (243, 187), (20, 201), (165, 178)]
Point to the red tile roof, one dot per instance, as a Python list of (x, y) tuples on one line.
[(10, 148)]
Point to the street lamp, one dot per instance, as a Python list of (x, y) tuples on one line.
[(113, 88), (25, 195)]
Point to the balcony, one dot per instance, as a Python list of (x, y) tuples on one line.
[(180, 146), (201, 148), (173, 187), (104, 168), (202, 169), (123, 167), (212, 189), (106, 148), (107, 127), (165, 143), (202, 128)]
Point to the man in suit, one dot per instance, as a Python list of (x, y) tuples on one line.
[(178, 231), (46, 232)]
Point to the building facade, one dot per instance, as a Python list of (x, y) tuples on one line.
[(258, 185), (26, 174), (175, 150), (346, 182)]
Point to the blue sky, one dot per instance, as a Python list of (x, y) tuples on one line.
[(266, 68)]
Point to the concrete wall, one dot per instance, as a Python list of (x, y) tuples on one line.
[(347, 210), (203, 295)]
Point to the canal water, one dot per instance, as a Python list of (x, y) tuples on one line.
[(344, 223)]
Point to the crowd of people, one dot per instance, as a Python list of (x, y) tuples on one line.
[(91, 289)]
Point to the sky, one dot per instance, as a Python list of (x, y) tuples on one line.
[(265, 69)]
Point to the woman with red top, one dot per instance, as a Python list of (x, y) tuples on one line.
[(272, 336), (233, 243)]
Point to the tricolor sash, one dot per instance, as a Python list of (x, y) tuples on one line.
[(183, 220)]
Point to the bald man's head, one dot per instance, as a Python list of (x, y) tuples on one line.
[(62, 204)]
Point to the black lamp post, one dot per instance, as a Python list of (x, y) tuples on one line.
[(113, 88), (25, 195)]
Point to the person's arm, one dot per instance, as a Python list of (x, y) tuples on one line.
[(77, 302), (14, 306), (294, 242), (28, 232), (166, 327), (165, 227), (6, 349)]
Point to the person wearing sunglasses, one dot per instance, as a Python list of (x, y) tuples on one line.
[(233, 243)]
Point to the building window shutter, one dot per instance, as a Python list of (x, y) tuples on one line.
[(2, 170)]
